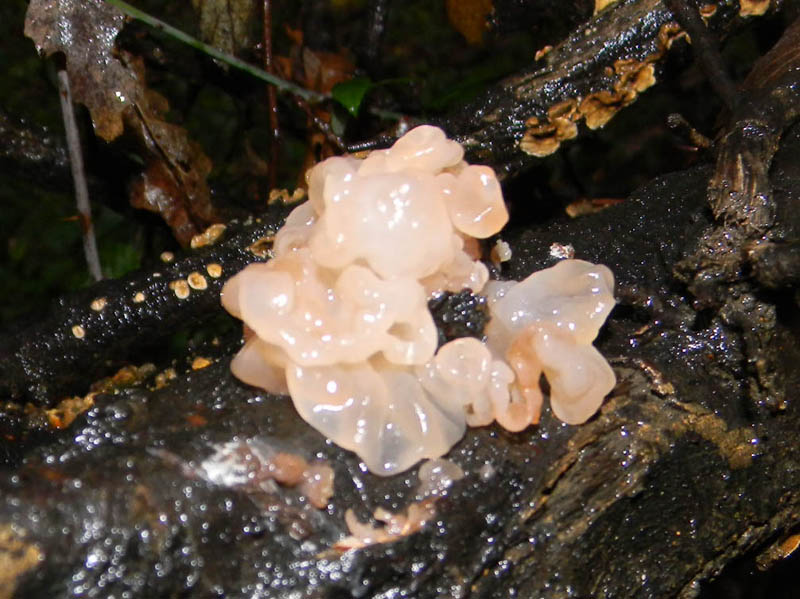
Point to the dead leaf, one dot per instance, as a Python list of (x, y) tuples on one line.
[(85, 30), (226, 24), (470, 18), (112, 85), (174, 181), (323, 70), (318, 71)]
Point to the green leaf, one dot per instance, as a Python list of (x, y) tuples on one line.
[(350, 94)]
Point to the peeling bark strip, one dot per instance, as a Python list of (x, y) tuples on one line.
[(600, 69)]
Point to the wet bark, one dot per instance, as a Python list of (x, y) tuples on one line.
[(684, 469), (690, 464), (584, 74)]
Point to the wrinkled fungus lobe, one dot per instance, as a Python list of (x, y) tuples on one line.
[(339, 317)]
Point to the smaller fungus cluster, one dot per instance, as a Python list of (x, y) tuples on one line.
[(546, 325), (253, 463), (339, 317), (435, 478)]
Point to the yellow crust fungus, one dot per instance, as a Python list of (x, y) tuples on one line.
[(18, 557), (67, 410), (600, 107), (542, 52), (207, 237), (708, 10), (543, 136), (753, 8), (634, 75), (601, 4), (200, 362), (163, 378)]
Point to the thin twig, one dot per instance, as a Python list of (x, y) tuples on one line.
[(378, 12), (78, 176), (272, 97), (321, 125), (281, 84), (704, 46)]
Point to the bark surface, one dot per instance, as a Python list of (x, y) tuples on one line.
[(690, 465)]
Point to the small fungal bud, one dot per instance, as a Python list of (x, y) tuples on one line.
[(501, 252), (214, 270), (197, 281), (138, 297), (708, 10), (181, 288), (98, 304), (542, 52), (208, 236), (163, 378), (278, 195), (753, 8), (78, 331), (200, 362), (262, 247), (167, 256)]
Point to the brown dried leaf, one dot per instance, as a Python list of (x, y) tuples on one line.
[(174, 181), (225, 24), (315, 70), (470, 18), (323, 70), (112, 85), (85, 30), (318, 71)]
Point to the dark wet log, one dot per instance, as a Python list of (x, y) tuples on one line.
[(756, 223), (32, 151), (91, 333), (680, 472), (690, 464), (598, 70)]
